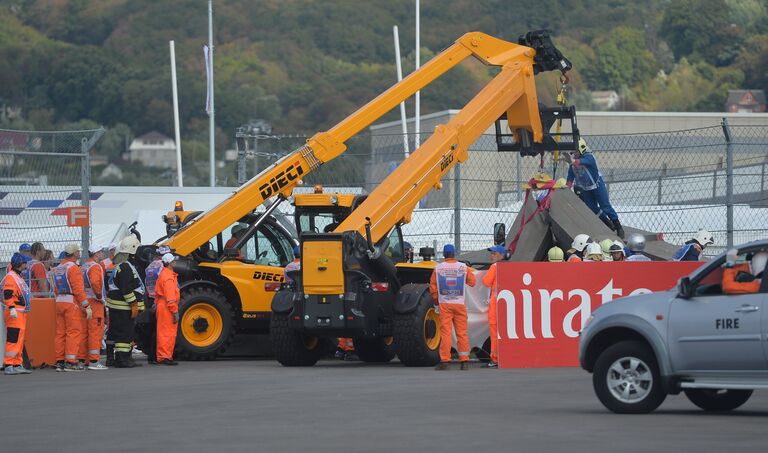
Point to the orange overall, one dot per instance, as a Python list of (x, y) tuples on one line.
[(447, 287), (489, 280), (15, 294), (93, 329), (731, 286), (166, 304), (38, 277), (346, 344), (70, 302)]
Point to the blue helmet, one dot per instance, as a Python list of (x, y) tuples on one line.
[(296, 251), (497, 249), (18, 259), (62, 255), (449, 249), (25, 247)]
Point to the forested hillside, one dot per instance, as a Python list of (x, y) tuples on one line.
[(303, 65)]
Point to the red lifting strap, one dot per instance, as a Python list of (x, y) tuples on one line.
[(543, 205)]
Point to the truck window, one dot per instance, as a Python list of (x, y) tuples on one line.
[(395, 248), (267, 247)]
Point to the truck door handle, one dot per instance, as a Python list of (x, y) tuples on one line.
[(747, 308)]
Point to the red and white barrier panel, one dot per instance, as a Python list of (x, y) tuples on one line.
[(543, 306)]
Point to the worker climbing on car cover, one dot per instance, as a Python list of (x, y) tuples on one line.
[(447, 288), (588, 184), (579, 243), (16, 304), (167, 310), (691, 250), (555, 255), (743, 278), (489, 280)]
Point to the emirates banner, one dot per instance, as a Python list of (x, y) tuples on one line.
[(543, 306)]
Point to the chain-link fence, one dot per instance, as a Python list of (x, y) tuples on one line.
[(673, 183), (42, 174)]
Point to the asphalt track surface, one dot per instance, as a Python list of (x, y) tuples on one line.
[(258, 405)]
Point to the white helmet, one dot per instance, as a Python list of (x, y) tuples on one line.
[(759, 261), (580, 242), (583, 148), (636, 242), (594, 248), (128, 245), (617, 246), (704, 238)]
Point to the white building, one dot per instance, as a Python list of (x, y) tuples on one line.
[(153, 150), (607, 100)]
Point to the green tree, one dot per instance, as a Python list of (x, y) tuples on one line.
[(622, 58), (702, 28), (753, 61)]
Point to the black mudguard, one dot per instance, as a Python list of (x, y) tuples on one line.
[(409, 296), (282, 302)]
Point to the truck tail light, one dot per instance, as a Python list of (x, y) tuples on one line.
[(380, 287), (271, 286)]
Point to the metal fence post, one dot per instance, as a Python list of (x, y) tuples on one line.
[(457, 207), (517, 179), (241, 166), (661, 178), (85, 194), (728, 182)]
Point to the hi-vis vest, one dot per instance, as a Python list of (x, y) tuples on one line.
[(113, 287), (28, 271), (451, 278), (61, 282), (89, 292), (583, 179), (26, 294), (151, 275)]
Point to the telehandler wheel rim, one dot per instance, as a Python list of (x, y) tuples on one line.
[(432, 329), (311, 343), (202, 325)]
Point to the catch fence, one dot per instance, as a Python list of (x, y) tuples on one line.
[(671, 183)]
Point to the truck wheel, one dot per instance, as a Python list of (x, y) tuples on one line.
[(292, 348), (378, 350), (626, 379), (718, 400), (206, 324), (417, 334)]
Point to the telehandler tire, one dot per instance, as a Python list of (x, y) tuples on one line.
[(292, 348), (375, 350), (417, 334), (206, 323)]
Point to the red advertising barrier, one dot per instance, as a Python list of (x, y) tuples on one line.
[(543, 306)]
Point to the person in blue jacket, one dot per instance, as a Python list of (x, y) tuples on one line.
[(587, 182), (691, 250)]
